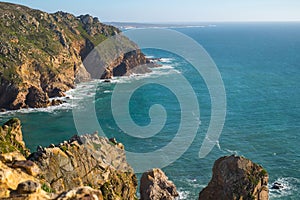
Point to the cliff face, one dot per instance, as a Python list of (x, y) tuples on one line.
[(41, 54), (236, 178)]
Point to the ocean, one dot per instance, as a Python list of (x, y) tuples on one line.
[(259, 64)]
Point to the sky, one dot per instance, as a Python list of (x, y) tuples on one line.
[(165, 11)]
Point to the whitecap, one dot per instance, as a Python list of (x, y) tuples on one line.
[(166, 60), (290, 185), (183, 195)]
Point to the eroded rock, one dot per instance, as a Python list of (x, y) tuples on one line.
[(156, 186), (87, 160), (236, 177)]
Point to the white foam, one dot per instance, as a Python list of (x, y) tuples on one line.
[(290, 185), (183, 195), (88, 89), (50, 109), (166, 60), (166, 67), (233, 152), (149, 57)]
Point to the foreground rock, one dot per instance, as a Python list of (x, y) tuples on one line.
[(87, 160), (237, 178), (11, 138), (156, 186), (85, 167), (41, 54)]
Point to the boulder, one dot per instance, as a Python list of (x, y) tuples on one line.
[(156, 186), (27, 187), (28, 166), (36, 98), (236, 177)]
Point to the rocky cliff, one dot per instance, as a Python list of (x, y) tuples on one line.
[(236, 178), (41, 54), (85, 166)]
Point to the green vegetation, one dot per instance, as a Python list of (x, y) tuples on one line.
[(28, 38), (263, 172), (46, 188), (8, 141), (63, 148)]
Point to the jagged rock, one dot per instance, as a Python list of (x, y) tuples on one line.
[(235, 177), (56, 102), (11, 157), (11, 137), (66, 169), (10, 179), (87, 160), (133, 62), (84, 193), (36, 98), (277, 186), (156, 186), (27, 165)]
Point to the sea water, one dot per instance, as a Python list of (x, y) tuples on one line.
[(260, 67)]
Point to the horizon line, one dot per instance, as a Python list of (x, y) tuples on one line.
[(185, 22)]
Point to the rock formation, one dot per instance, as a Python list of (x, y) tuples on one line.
[(86, 166), (87, 160), (41, 54), (236, 178), (11, 138), (156, 186)]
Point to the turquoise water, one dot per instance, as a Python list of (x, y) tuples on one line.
[(260, 67)]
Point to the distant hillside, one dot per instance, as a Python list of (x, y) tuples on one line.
[(41, 54)]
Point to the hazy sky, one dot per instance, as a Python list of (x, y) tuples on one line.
[(174, 10)]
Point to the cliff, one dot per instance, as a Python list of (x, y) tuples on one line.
[(41, 54)]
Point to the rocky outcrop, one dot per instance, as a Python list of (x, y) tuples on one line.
[(87, 160), (133, 62), (236, 178), (11, 138), (156, 186), (41, 54), (86, 166)]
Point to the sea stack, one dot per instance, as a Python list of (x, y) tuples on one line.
[(236, 178)]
